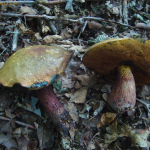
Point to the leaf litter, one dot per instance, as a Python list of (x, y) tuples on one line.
[(24, 123)]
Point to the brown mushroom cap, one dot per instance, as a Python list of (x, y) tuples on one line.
[(104, 57), (34, 66)]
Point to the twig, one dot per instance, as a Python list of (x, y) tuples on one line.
[(16, 2), (15, 36), (125, 11), (65, 19), (82, 30), (18, 122), (1, 45), (59, 2), (27, 15), (52, 26), (34, 2), (102, 19)]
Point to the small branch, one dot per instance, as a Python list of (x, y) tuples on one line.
[(125, 11), (18, 122), (59, 2), (35, 2), (15, 36), (55, 18), (1, 45), (27, 15), (16, 2)]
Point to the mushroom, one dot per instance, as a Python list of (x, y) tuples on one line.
[(36, 68), (125, 60)]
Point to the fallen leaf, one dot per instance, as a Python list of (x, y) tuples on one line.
[(79, 96), (73, 111), (84, 79), (106, 119), (45, 29), (94, 25), (98, 107), (27, 10), (7, 141), (66, 33), (139, 137), (22, 29)]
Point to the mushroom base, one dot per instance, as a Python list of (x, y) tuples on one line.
[(123, 94), (59, 115)]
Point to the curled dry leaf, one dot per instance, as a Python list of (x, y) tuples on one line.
[(98, 107), (106, 119), (105, 96), (106, 88), (27, 10)]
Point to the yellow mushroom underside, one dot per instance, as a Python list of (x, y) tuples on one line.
[(34, 65), (106, 56)]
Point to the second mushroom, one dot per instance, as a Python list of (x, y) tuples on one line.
[(125, 60)]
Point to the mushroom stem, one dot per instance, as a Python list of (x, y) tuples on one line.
[(59, 115), (123, 94)]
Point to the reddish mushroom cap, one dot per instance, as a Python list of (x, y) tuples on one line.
[(34, 66), (104, 57)]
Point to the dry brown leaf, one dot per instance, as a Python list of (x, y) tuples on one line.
[(105, 96), (9, 114), (66, 82), (106, 119), (84, 79), (77, 85), (22, 29), (51, 39), (148, 97), (66, 33), (37, 36), (47, 39), (94, 25), (8, 141), (139, 137), (79, 96), (22, 142), (45, 29), (26, 43), (77, 48), (27, 10), (73, 111)]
